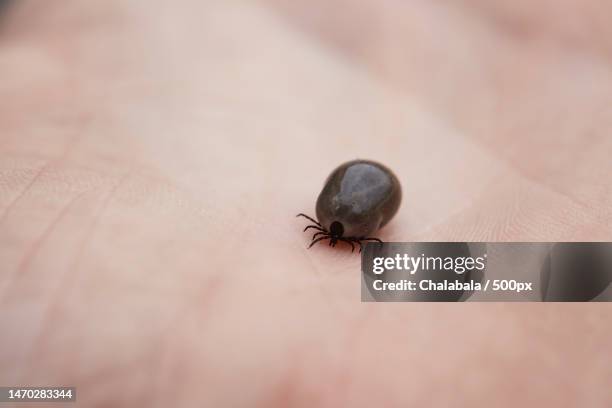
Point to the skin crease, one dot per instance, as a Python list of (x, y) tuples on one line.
[(153, 158)]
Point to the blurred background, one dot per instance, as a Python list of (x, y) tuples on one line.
[(153, 156)]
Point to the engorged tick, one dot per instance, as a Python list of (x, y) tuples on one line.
[(358, 199)]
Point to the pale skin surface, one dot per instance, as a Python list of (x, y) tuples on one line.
[(153, 158)]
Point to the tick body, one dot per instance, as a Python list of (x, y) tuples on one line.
[(358, 199)]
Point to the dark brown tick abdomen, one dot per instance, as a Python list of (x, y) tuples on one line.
[(362, 195)]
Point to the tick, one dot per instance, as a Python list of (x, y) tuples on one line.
[(358, 198)]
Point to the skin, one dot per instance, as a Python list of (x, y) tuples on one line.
[(153, 158)]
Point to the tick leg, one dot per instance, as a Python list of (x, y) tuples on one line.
[(357, 240), (348, 241), (315, 227), (360, 246), (371, 239), (317, 240), (309, 218), (318, 233)]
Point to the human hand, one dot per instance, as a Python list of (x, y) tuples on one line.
[(153, 157)]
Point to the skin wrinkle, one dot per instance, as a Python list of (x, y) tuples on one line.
[(523, 26), (148, 174), (33, 249), (500, 231), (286, 393), (203, 308), (22, 193), (324, 109), (291, 389), (531, 177), (68, 277), (353, 336), (69, 146), (458, 214), (111, 372)]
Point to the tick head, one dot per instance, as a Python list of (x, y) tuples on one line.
[(336, 230)]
